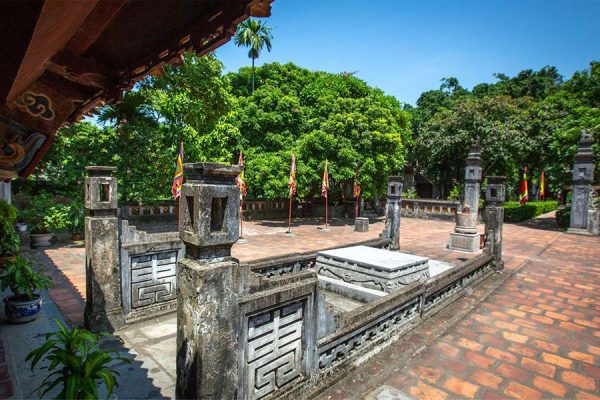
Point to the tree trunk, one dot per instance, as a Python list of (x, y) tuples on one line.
[(252, 74)]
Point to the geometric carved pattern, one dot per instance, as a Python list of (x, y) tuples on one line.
[(153, 278), (274, 351), (455, 287), (367, 335)]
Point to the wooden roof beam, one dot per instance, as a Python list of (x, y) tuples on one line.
[(95, 25)]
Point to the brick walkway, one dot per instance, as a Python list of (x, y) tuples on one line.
[(535, 336)]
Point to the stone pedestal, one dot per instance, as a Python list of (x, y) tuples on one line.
[(583, 176), (361, 224), (465, 236), (392, 213), (372, 268), (103, 307), (207, 302)]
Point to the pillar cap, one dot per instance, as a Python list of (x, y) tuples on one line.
[(211, 172), (100, 170), (495, 180)]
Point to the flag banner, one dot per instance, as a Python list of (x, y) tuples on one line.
[(325, 183), (355, 186), (240, 181), (292, 181), (543, 187), (178, 179), (524, 193)]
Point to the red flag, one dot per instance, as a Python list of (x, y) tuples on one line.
[(524, 194), (325, 183), (178, 179), (355, 186), (292, 181)]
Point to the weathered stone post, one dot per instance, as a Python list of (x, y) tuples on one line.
[(103, 309), (392, 212), (583, 175), (465, 237), (473, 178), (494, 216), (207, 304)]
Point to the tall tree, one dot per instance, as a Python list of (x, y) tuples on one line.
[(254, 34)]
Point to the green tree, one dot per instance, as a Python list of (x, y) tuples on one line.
[(254, 34)]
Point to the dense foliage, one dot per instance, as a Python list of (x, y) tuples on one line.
[(9, 239), (314, 115), (533, 119)]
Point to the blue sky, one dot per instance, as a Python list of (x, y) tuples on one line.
[(406, 47)]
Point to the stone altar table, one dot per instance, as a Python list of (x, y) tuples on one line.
[(372, 268)]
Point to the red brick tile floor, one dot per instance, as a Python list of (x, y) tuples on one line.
[(531, 332)]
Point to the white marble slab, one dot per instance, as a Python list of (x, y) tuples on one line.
[(372, 257)]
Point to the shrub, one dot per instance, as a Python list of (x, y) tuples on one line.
[(563, 216), (9, 239), (514, 212)]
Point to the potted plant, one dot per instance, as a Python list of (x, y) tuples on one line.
[(23, 280), (9, 239), (77, 364), (45, 217)]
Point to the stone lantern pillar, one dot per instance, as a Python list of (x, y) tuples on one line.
[(583, 176), (473, 178), (392, 212), (207, 303), (494, 216), (465, 237), (103, 309)]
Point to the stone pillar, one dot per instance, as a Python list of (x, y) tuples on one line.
[(207, 302), (465, 236), (5, 192), (392, 212), (494, 216), (583, 175), (473, 178), (103, 308)]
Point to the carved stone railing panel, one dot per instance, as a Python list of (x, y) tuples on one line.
[(274, 349), (153, 278), (368, 334), (148, 271)]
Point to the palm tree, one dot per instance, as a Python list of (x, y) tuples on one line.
[(254, 34)]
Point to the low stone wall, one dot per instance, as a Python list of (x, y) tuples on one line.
[(291, 346), (360, 331), (430, 209)]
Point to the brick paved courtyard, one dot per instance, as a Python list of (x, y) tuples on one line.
[(529, 333)]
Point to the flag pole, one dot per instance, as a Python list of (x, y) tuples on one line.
[(326, 211), (290, 217), (241, 217)]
